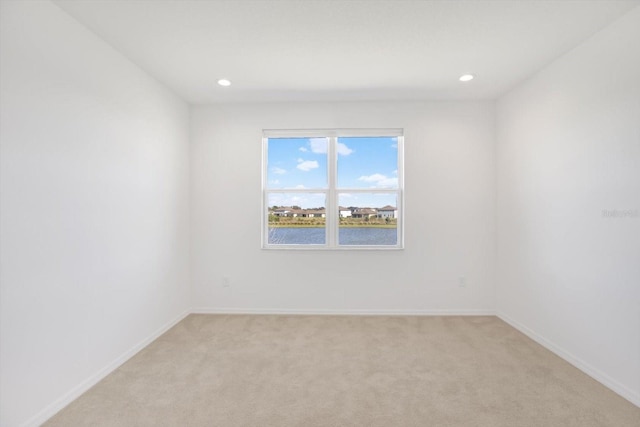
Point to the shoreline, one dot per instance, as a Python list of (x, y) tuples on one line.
[(323, 226)]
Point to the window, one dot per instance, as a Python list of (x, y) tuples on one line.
[(332, 189)]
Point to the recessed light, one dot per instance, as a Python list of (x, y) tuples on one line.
[(224, 82), (466, 77)]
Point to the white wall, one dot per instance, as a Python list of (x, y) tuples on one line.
[(449, 180), (569, 149), (94, 209)]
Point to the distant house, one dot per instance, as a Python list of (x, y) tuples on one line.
[(364, 213), (315, 213), (298, 213), (344, 212), (388, 212), (284, 211)]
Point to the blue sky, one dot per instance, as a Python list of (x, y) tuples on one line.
[(362, 163)]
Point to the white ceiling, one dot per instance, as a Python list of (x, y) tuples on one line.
[(342, 50)]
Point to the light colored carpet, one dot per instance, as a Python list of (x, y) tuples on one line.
[(280, 371)]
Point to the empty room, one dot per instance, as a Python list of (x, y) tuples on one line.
[(320, 213)]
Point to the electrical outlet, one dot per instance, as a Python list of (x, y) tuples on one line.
[(462, 282), (226, 281)]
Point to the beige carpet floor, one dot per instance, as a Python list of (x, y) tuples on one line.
[(280, 371)]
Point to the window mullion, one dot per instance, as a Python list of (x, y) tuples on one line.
[(332, 206)]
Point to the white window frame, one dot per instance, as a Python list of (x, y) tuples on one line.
[(331, 207)]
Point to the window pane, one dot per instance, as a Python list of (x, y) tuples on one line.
[(368, 162), (296, 219), (297, 163), (368, 219)]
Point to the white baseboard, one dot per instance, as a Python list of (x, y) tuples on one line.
[(355, 312), (75, 392), (593, 372)]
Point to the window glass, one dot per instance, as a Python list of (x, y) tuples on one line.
[(368, 219), (296, 163), (370, 162), (296, 219)]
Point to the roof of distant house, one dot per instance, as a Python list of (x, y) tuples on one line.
[(365, 210)]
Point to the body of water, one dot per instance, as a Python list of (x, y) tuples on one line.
[(346, 236)]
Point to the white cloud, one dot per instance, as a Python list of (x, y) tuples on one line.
[(299, 186), (394, 145), (274, 182), (307, 165), (343, 149), (379, 180), (278, 171), (388, 182), (318, 145), (372, 178), (303, 149)]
